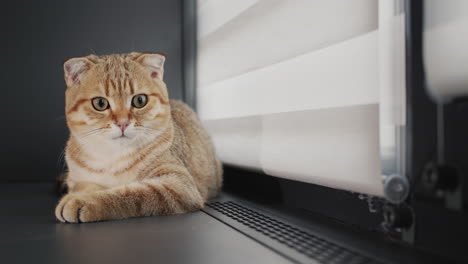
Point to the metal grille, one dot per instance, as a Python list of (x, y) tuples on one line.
[(292, 237)]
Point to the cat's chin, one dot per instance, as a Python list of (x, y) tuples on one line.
[(121, 138), (123, 141), (129, 141)]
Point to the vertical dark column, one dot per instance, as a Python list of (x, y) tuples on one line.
[(421, 111), (433, 161)]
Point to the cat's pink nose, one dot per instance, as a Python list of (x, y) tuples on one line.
[(123, 124)]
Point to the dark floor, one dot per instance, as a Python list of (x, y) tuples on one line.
[(30, 234)]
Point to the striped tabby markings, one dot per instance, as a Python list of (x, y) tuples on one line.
[(119, 85), (134, 192), (177, 198), (162, 200), (132, 86), (83, 165), (166, 169), (107, 86), (161, 99), (145, 154), (114, 85), (77, 105), (77, 123), (123, 85)]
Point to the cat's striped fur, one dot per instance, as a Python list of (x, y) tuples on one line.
[(165, 164)]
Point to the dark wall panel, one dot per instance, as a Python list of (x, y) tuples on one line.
[(37, 36)]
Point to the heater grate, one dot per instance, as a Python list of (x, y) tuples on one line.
[(291, 237)]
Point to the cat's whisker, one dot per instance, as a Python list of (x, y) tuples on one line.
[(91, 132), (61, 159)]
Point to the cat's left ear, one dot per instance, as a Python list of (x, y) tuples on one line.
[(154, 64), (75, 69)]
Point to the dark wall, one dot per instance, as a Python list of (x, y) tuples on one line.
[(37, 36)]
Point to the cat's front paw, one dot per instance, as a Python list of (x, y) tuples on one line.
[(78, 208)]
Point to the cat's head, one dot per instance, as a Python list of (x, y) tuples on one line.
[(116, 99)]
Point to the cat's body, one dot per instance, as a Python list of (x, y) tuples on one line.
[(131, 151)]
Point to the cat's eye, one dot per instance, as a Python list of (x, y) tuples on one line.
[(100, 103), (139, 100)]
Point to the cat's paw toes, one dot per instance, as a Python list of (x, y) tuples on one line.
[(90, 213), (75, 208)]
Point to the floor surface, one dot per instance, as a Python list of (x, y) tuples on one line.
[(30, 234)]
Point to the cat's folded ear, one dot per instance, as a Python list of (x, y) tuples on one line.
[(154, 64), (75, 69)]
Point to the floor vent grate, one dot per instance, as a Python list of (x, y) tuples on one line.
[(289, 236)]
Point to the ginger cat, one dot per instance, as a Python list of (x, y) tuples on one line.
[(132, 151)]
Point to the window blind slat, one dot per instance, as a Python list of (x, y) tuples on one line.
[(334, 147), (213, 14), (271, 31), (340, 75), (331, 147)]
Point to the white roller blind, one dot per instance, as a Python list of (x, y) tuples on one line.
[(343, 74), (265, 32), (292, 88), (445, 39)]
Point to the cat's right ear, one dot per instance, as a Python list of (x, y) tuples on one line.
[(75, 69)]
